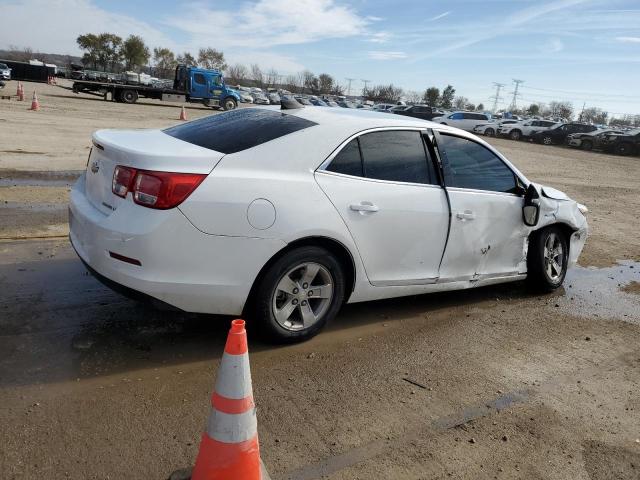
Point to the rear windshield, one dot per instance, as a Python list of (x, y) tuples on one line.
[(238, 130)]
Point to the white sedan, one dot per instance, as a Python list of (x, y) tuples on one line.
[(283, 216)]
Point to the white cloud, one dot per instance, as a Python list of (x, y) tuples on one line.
[(628, 39), (380, 37), (53, 26), (268, 23), (554, 45), (382, 55), (266, 60), (438, 17)]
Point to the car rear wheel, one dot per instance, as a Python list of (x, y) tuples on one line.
[(299, 294), (547, 259), (515, 135), (586, 145), (624, 149), (490, 132)]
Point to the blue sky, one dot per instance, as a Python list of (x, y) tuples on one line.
[(576, 50)]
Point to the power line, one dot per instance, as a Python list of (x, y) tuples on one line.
[(581, 93), (496, 98), (366, 82), (514, 103), (349, 87)]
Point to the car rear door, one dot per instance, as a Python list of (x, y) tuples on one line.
[(385, 188), (487, 236)]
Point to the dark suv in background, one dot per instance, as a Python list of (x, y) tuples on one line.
[(625, 144), (425, 112), (559, 134)]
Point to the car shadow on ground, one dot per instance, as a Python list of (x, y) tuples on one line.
[(59, 323)]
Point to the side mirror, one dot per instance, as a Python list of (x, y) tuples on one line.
[(531, 208)]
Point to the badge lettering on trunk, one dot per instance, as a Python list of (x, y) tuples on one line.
[(95, 166)]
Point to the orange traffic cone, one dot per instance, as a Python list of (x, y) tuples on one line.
[(35, 105), (20, 92), (229, 448), (183, 114)]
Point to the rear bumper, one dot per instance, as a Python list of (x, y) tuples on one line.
[(179, 265)]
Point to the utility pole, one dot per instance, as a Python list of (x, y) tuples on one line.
[(496, 98), (514, 104), (349, 87), (584, 104), (366, 82)]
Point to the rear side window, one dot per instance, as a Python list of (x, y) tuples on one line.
[(471, 165), (348, 161), (238, 130), (396, 156)]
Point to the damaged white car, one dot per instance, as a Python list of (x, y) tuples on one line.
[(283, 216)]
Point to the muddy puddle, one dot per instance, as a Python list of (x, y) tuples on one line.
[(603, 292)]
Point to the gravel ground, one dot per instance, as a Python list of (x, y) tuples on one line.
[(487, 383)]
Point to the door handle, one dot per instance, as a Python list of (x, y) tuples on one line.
[(466, 215), (364, 207)]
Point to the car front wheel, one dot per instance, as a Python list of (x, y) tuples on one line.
[(489, 132), (547, 259), (299, 294), (547, 140)]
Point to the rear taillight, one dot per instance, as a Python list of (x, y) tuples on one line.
[(122, 180), (160, 190)]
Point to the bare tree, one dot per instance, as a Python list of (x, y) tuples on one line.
[(460, 102), (256, 75), (211, 58), (187, 59), (165, 62), (237, 73), (413, 97), (20, 54), (272, 77)]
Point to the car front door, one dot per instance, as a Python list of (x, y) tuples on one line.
[(487, 236), (384, 186)]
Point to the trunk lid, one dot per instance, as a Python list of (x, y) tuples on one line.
[(140, 149)]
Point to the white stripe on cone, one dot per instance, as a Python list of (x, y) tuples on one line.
[(232, 428), (234, 376)]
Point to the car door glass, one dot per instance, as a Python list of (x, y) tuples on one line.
[(199, 79), (471, 165), (455, 116), (348, 161), (396, 156)]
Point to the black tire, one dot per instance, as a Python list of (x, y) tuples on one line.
[(230, 103), (586, 145), (624, 149), (539, 276), (442, 123), (489, 132), (261, 308), (129, 96), (515, 135)]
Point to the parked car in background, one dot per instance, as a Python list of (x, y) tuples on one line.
[(260, 98), (425, 112), (524, 128), (557, 135), (463, 120), (396, 108), (274, 98), (5, 72), (346, 104), (382, 107), (591, 140), (624, 144), (331, 103), (302, 100), (491, 129), (245, 94), (317, 102)]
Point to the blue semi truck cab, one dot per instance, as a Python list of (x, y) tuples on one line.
[(190, 85), (205, 86)]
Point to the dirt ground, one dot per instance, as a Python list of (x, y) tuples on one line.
[(489, 383)]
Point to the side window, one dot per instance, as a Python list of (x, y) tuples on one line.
[(217, 80), (199, 79), (468, 116), (470, 165), (348, 161), (396, 156), (456, 116)]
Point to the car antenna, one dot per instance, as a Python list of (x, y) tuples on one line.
[(289, 103)]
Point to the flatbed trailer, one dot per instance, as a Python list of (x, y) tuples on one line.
[(191, 85)]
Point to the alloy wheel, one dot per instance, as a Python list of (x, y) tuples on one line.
[(553, 257), (302, 296)]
